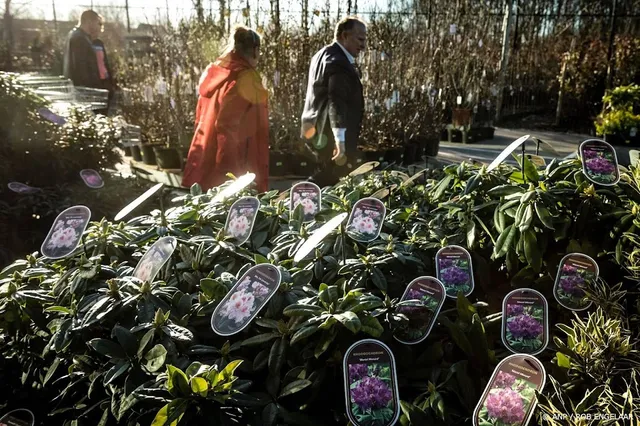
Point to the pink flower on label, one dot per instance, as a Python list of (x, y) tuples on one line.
[(308, 206), (63, 237), (296, 198), (260, 290), (239, 226), (506, 406), (244, 284), (239, 306)]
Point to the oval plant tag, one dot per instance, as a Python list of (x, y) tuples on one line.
[(241, 218), (238, 185), (19, 417), (91, 178), (365, 222), (575, 272), (66, 232), (525, 321), (431, 293), (309, 195), (21, 188), (51, 116), (135, 203), (371, 384), (245, 299), (454, 269), (319, 235), (365, 168), (154, 259), (509, 398), (599, 162)]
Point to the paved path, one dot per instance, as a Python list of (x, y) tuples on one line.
[(485, 151)]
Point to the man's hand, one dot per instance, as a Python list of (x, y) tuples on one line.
[(339, 151)]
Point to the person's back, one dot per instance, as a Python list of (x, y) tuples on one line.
[(80, 62)]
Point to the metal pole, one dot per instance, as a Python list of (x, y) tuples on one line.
[(504, 62), (612, 39), (55, 18), (126, 6)]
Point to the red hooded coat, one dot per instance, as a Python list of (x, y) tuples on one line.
[(232, 126)]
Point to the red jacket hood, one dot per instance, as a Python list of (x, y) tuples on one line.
[(220, 72)]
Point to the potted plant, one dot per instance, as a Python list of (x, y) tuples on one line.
[(619, 121)]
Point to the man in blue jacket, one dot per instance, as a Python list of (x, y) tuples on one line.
[(334, 90)]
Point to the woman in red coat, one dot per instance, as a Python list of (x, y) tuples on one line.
[(232, 126)]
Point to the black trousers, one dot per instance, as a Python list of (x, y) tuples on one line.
[(328, 173)]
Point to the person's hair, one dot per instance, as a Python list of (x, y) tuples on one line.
[(89, 16), (245, 40), (347, 24)]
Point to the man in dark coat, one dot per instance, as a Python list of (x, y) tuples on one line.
[(334, 90)]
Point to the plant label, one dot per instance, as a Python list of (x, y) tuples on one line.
[(91, 178), (135, 203), (309, 195), (371, 384), (507, 152), (154, 259), (599, 162), (66, 232), (454, 269), (513, 384), (319, 235), (51, 116), (413, 178), (21, 188), (245, 299), (366, 220), (525, 321), (365, 168), (234, 187), (241, 218), (431, 294), (19, 417), (381, 194), (575, 272)]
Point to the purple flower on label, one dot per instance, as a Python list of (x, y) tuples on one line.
[(572, 284), (504, 380), (506, 406), (525, 326), (455, 276), (371, 393), (358, 371), (600, 165), (445, 263), (260, 290), (568, 269), (589, 153), (514, 310), (414, 294)]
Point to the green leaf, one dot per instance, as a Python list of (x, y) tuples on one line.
[(527, 218), (300, 310), (270, 414), (544, 215), (228, 371), (199, 386), (458, 336), (212, 288), (116, 371), (170, 414), (471, 233), (350, 321), (259, 259), (505, 241), (277, 355), (126, 339), (504, 190), (302, 277), (563, 360), (108, 348), (177, 332), (294, 387), (303, 333), (378, 279), (60, 309), (148, 337), (372, 326), (442, 186), (156, 358), (530, 170), (259, 339), (177, 381), (532, 250), (52, 370)]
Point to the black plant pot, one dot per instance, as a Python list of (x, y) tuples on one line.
[(395, 155), (167, 158), (373, 156), (277, 163), (127, 151), (410, 153), (136, 153), (148, 156), (432, 148), (303, 166)]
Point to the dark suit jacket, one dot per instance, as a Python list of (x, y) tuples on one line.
[(80, 63), (334, 90)]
